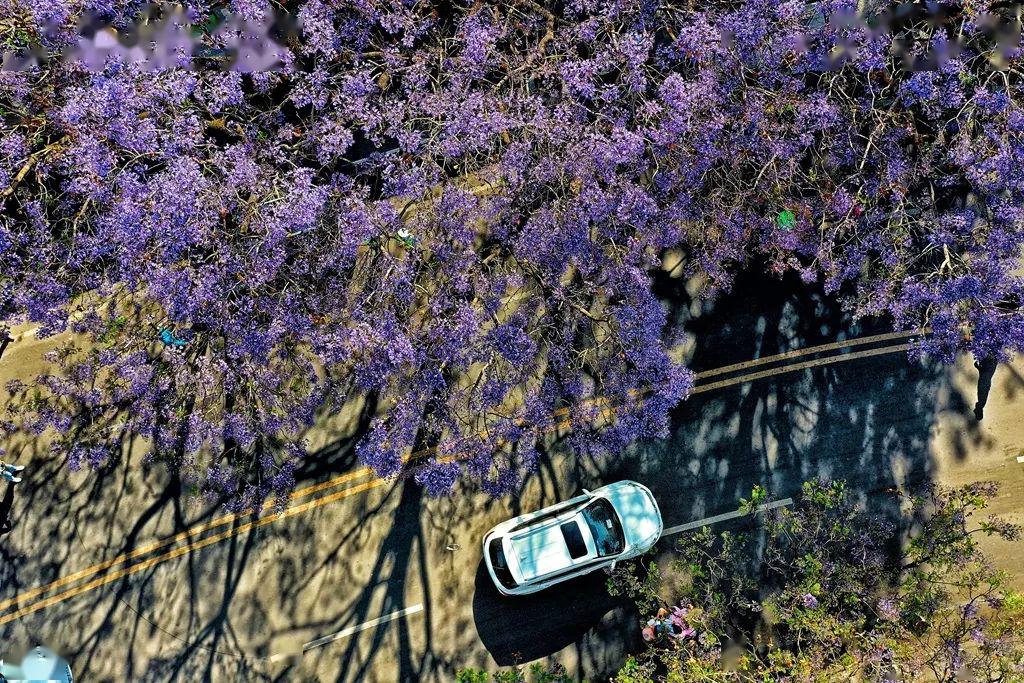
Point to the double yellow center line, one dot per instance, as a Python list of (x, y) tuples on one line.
[(292, 510)]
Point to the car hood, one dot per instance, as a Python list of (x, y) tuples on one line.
[(639, 514)]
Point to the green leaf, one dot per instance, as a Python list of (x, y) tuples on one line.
[(758, 497), (786, 219)]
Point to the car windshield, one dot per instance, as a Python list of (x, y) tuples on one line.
[(605, 527)]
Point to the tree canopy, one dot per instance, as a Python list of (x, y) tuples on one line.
[(453, 209)]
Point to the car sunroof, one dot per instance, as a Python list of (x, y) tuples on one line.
[(573, 539)]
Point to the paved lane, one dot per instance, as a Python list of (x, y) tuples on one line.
[(223, 610), (862, 421), (231, 606), (362, 479)]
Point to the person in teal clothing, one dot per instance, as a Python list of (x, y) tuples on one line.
[(169, 339), (10, 472)]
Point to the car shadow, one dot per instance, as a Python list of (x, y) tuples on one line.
[(524, 628)]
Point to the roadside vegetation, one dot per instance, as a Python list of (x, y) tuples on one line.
[(827, 591), (534, 673)]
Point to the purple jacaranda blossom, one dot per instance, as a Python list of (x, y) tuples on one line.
[(425, 191)]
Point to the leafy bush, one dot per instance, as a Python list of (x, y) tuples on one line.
[(832, 594), (534, 673)]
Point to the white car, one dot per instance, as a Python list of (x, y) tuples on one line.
[(569, 539)]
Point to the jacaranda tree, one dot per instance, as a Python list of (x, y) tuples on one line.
[(453, 210)]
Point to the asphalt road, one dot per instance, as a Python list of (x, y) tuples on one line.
[(364, 580), (862, 422)]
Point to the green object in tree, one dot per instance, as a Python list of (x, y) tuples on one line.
[(113, 327), (407, 238), (786, 219)]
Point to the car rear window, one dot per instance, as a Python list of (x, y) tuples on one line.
[(573, 539)]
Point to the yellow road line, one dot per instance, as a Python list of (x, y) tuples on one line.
[(796, 353), (188, 533), (219, 522), (183, 550), (309, 490), (742, 379)]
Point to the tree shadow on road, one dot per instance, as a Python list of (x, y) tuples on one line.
[(868, 420), (399, 554), (6, 505), (986, 370), (66, 521)]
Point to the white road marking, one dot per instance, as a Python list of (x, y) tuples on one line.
[(707, 521), (352, 630)]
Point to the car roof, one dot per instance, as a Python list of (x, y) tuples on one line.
[(542, 550)]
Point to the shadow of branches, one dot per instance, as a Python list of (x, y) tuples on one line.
[(221, 611), (868, 421)]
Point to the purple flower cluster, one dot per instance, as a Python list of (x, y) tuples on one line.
[(454, 208)]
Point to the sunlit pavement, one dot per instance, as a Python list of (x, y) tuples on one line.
[(382, 584)]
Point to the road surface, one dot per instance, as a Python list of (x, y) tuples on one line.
[(361, 579)]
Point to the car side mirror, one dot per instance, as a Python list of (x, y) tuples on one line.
[(586, 492)]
